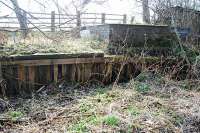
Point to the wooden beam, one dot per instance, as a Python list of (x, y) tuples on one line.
[(31, 75), (1, 76), (110, 59), (21, 76), (55, 70), (54, 61)]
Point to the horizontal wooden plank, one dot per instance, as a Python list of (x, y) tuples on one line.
[(54, 61), (110, 59), (51, 56)]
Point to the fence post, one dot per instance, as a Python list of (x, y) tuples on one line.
[(53, 21), (103, 18), (132, 19), (78, 24), (124, 19)]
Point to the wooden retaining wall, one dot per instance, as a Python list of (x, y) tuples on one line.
[(24, 76)]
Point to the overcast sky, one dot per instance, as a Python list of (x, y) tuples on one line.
[(129, 7)]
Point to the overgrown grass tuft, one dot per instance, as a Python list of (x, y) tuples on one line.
[(142, 87), (111, 120), (14, 115)]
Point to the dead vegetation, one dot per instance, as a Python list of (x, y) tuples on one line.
[(38, 44), (153, 104)]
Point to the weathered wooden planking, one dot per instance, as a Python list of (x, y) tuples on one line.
[(51, 56), (111, 59), (33, 74), (55, 61)]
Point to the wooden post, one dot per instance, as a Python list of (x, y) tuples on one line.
[(1, 76), (78, 19), (124, 19), (132, 19), (31, 77), (103, 18), (21, 78), (53, 21), (78, 24), (55, 73), (63, 71)]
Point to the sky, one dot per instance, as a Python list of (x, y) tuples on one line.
[(129, 7)]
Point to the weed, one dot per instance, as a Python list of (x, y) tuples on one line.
[(142, 87), (15, 115), (79, 127), (176, 119), (111, 120), (84, 107), (141, 77), (94, 120), (134, 111)]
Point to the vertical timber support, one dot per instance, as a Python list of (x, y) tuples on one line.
[(31, 78), (53, 21), (3, 89), (21, 77), (48, 71), (1, 76), (63, 71), (55, 69)]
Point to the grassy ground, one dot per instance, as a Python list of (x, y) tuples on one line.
[(149, 103), (40, 44)]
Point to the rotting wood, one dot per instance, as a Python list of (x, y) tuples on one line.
[(21, 77), (51, 56), (48, 71), (104, 70), (1, 76), (55, 61), (73, 72), (55, 73), (2, 83), (63, 70), (31, 77), (111, 59)]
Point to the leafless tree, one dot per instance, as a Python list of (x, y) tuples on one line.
[(21, 16), (146, 12)]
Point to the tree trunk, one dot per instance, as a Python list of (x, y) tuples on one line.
[(21, 16), (146, 13)]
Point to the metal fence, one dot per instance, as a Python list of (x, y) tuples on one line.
[(56, 22)]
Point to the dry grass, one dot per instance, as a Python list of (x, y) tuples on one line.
[(38, 44), (107, 109)]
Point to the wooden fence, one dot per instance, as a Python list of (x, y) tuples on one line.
[(56, 22)]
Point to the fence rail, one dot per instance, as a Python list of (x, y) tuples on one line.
[(55, 22)]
